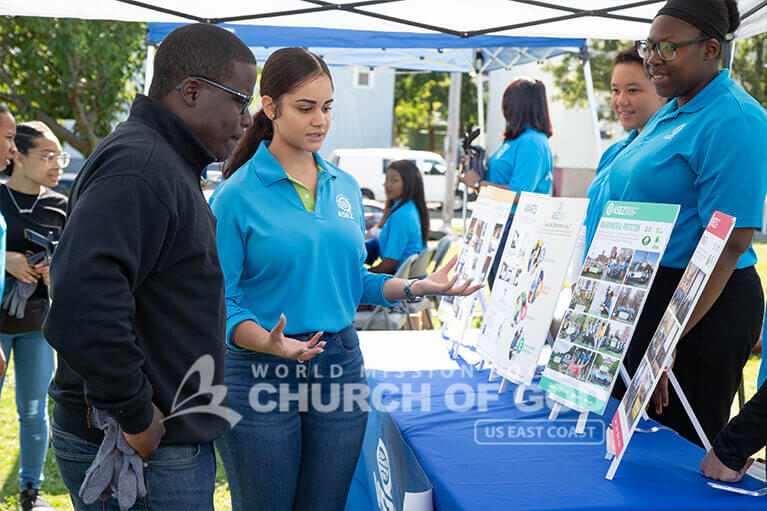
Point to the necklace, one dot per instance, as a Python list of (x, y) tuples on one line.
[(22, 211)]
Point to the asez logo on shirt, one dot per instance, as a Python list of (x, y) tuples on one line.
[(344, 207), (676, 130)]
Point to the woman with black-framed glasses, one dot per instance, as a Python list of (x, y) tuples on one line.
[(705, 151), (27, 202)]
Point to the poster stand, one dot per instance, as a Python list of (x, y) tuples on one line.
[(583, 413), (687, 408)]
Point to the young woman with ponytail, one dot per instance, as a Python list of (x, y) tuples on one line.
[(290, 238)]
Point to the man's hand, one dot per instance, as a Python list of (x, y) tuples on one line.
[(713, 468), (147, 442)]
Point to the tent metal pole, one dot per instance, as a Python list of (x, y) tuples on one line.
[(728, 54), (479, 81), (591, 97), (149, 67), (453, 129)]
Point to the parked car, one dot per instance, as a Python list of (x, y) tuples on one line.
[(369, 166)]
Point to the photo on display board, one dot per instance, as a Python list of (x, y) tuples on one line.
[(497, 232), (595, 263), (486, 266), (517, 342), (571, 361), (583, 295), (561, 355), (536, 287), (603, 370), (571, 326), (641, 268), (520, 307), (509, 274), (537, 254), (638, 390), (514, 239), (615, 340), (592, 332), (682, 299), (617, 264), (661, 342), (627, 304), (604, 299)]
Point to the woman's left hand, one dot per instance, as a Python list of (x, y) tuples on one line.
[(438, 283), (45, 272), (470, 178)]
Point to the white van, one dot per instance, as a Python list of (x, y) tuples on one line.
[(369, 166)]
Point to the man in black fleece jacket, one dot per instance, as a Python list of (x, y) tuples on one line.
[(746, 433), (138, 294)]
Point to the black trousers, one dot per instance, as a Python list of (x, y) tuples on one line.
[(710, 358)]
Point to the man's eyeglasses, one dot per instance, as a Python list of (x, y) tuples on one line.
[(666, 50), (244, 101), (61, 158)]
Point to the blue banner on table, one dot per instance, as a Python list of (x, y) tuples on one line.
[(388, 476)]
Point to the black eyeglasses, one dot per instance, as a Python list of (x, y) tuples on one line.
[(244, 102), (666, 50)]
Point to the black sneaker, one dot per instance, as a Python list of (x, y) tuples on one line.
[(31, 500)]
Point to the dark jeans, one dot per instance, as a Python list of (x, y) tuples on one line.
[(177, 477), (710, 358), (302, 429)]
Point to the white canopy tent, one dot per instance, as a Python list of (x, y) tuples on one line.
[(595, 19)]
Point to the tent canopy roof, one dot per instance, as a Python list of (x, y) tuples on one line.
[(400, 50), (596, 19)]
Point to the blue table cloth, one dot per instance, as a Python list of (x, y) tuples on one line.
[(658, 471)]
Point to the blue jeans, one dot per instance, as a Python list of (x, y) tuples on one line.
[(33, 360), (177, 477), (302, 429)]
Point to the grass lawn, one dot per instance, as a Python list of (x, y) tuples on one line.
[(56, 493)]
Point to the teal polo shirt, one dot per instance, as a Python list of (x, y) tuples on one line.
[(401, 236), (710, 155), (278, 257), (599, 192), (524, 164)]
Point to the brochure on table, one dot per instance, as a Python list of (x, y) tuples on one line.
[(659, 353), (530, 276), (606, 303), (480, 244)]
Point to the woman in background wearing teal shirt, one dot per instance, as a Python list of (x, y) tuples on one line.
[(634, 101), (290, 237), (523, 163), (705, 151), (404, 227)]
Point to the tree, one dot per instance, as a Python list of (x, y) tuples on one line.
[(420, 102), (749, 66), (56, 69)]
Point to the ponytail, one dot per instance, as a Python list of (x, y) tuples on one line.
[(260, 130)]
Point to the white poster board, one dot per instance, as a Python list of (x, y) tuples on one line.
[(479, 246), (530, 276), (606, 303), (660, 351)]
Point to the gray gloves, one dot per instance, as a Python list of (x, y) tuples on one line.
[(117, 471), (16, 295)]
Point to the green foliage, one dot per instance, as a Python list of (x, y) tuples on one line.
[(54, 69), (420, 102), (569, 80), (749, 66)]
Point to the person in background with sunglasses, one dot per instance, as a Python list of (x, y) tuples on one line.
[(27, 202), (705, 150), (137, 289)]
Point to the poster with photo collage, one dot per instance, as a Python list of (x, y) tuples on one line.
[(475, 257), (659, 352), (606, 303), (530, 276)]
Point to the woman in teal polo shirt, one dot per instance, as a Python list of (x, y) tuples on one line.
[(290, 236), (705, 151), (524, 162), (405, 224), (634, 101)]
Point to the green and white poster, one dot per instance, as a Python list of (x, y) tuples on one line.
[(607, 301)]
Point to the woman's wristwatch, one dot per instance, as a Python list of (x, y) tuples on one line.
[(409, 297)]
